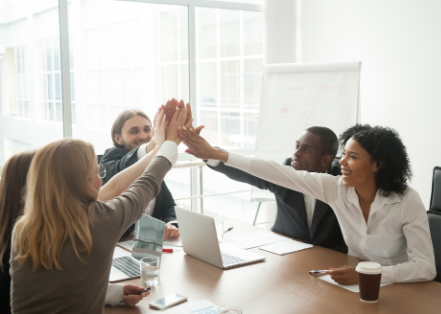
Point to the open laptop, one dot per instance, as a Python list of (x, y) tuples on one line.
[(199, 239), (124, 266), (148, 239)]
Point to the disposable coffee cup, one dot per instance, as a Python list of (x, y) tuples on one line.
[(369, 277)]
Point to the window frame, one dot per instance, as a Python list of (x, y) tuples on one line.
[(66, 100), (195, 173)]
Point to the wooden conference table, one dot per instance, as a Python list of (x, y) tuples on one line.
[(280, 285)]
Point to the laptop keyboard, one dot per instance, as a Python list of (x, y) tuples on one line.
[(228, 259), (126, 265)]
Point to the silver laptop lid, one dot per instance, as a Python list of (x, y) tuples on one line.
[(148, 237), (198, 236)]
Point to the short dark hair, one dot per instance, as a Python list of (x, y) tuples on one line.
[(328, 137), (122, 118), (386, 148)]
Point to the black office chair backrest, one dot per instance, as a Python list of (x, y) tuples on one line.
[(434, 216), (435, 199), (334, 168)]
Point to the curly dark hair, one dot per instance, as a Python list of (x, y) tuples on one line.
[(386, 148)]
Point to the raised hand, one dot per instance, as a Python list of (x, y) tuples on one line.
[(159, 128), (199, 147), (176, 122), (170, 109)]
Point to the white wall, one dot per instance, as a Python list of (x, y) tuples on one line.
[(280, 35), (399, 43)]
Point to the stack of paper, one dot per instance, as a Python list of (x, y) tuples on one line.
[(286, 246), (126, 244), (173, 242), (353, 288), (196, 307), (129, 245), (253, 239)]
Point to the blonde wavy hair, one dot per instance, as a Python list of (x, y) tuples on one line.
[(57, 204)]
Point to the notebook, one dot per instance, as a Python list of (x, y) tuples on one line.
[(286, 246)]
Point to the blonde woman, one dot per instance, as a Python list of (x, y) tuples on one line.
[(63, 244), (12, 187)]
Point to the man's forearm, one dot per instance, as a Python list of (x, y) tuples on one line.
[(121, 181), (150, 146)]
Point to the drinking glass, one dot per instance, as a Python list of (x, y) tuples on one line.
[(149, 271)]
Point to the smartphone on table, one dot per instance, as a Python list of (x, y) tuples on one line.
[(168, 301)]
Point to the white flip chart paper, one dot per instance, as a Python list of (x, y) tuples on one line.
[(298, 96)]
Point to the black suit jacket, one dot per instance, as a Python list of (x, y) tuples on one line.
[(291, 219), (116, 159)]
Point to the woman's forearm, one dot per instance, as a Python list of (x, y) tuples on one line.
[(221, 155), (151, 146), (121, 181)]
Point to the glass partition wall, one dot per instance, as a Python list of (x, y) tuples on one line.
[(133, 54)]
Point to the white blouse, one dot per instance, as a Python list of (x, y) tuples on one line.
[(396, 235), (114, 294)]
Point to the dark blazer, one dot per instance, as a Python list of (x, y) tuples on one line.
[(291, 217), (116, 159)]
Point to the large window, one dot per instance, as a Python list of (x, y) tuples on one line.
[(51, 78), (29, 60), (22, 102), (131, 54), (127, 55), (229, 75), (174, 53)]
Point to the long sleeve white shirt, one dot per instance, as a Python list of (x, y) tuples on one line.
[(114, 294), (396, 234), (309, 200)]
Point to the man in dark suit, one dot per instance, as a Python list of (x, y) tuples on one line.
[(132, 135), (300, 216)]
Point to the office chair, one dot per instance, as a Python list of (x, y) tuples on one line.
[(434, 215)]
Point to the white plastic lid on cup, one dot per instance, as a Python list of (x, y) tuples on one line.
[(369, 268)]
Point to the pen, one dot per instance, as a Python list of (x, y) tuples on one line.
[(229, 229), (318, 272), (142, 291), (167, 250)]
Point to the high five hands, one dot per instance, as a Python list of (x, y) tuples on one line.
[(172, 106), (199, 147), (174, 112)]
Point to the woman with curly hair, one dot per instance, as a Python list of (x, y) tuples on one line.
[(381, 218)]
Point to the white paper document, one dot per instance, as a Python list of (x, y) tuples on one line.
[(253, 239), (196, 307), (129, 244), (286, 246), (126, 244), (353, 288), (173, 242)]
